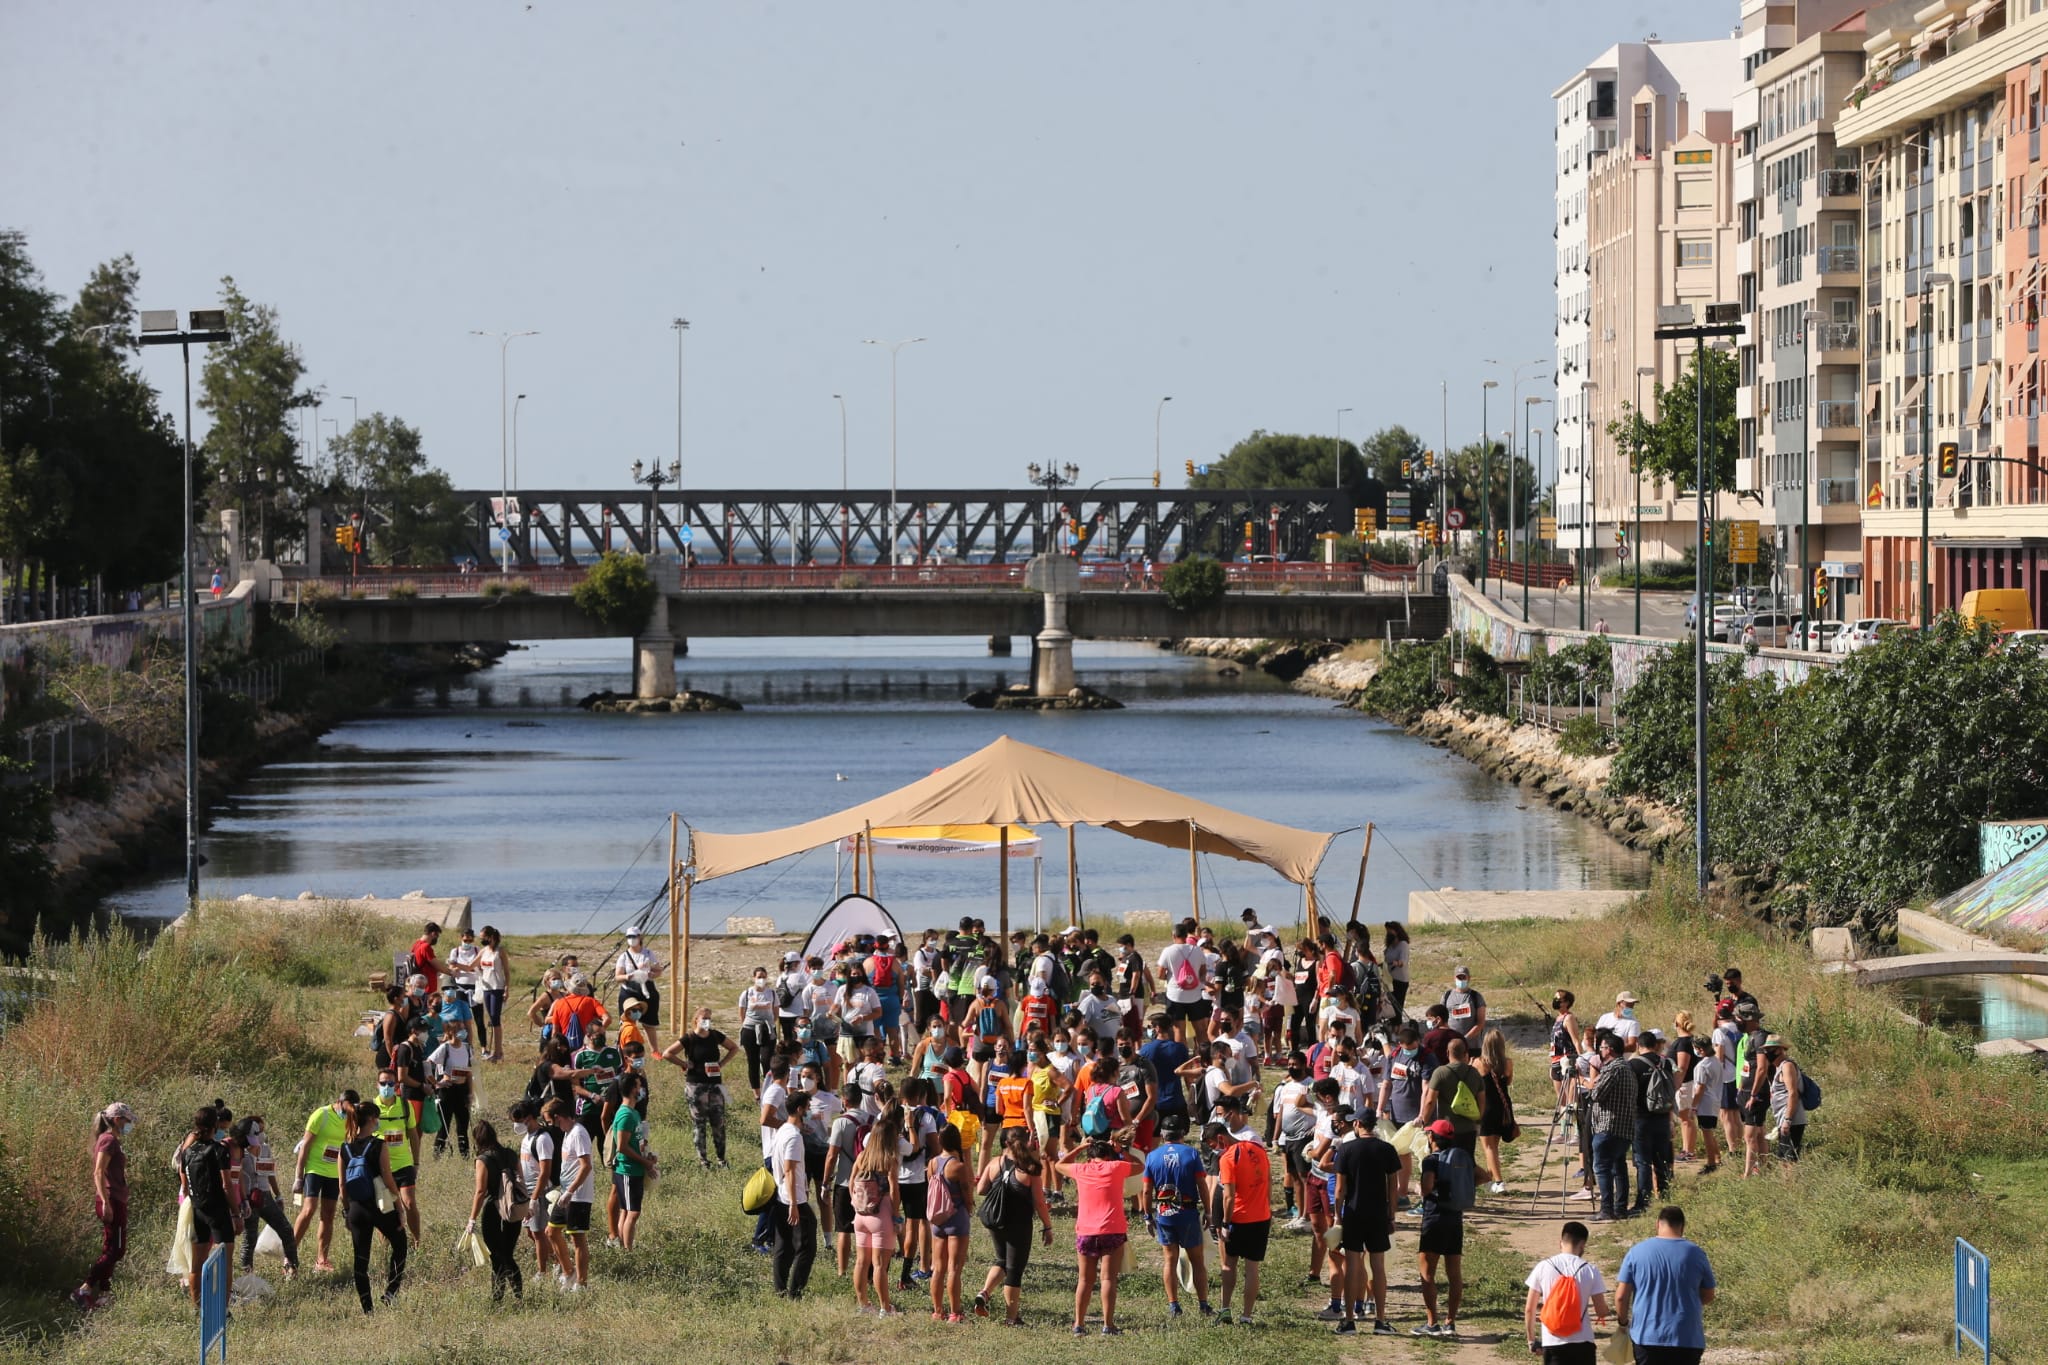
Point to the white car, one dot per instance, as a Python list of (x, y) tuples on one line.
[(1860, 634), (1818, 637), (2032, 639)]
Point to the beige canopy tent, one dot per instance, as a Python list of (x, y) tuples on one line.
[(1010, 783)]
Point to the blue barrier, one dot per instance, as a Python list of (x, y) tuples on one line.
[(213, 1306), (1973, 1298)]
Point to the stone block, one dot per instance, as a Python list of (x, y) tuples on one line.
[(1834, 945)]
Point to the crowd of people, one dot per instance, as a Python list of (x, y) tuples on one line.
[(1225, 1091)]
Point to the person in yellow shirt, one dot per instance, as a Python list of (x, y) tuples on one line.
[(400, 1132), (317, 1177), (1048, 1093)]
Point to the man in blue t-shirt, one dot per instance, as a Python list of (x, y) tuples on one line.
[(1664, 1283), (1167, 1055), (1173, 1195)]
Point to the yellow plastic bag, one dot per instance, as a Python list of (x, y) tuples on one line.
[(180, 1261), (1619, 1348), (758, 1191), (1411, 1141)]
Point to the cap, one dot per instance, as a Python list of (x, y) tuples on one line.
[(1443, 1128), (118, 1112), (792, 957), (1347, 1113), (1463, 970), (1070, 929), (1040, 987), (1173, 1125), (1651, 1035), (631, 934), (1249, 914), (953, 1056), (580, 982), (1748, 1009), (1624, 998)]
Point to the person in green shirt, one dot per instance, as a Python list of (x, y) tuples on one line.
[(632, 1163), (318, 1176), (399, 1129), (604, 1065)]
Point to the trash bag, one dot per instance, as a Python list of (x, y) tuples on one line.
[(251, 1289), (268, 1242), (470, 1247), (430, 1116), (180, 1261)]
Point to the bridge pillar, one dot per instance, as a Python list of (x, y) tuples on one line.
[(654, 649), (1052, 658), (999, 646)]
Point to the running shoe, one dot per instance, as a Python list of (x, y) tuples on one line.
[(1223, 1318), (1112, 1331), (1173, 1312), (1079, 1330), (1333, 1312), (981, 1305), (1383, 1328), (1346, 1328), (1447, 1332), (1427, 1329)]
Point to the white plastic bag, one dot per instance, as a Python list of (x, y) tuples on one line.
[(470, 1247), (268, 1242), (180, 1261)]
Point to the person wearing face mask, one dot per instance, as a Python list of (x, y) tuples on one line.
[(704, 1053), (264, 1201), (109, 1201), (400, 1130), (638, 974), (603, 1063), (868, 1074), (1621, 1022), (1564, 1047), (859, 1010), (492, 978), (205, 1179), (450, 1065), (1400, 1097), (1466, 1008), (757, 1026), (317, 1175), (1101, 1012)]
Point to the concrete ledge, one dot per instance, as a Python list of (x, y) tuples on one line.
[(450, 912), (1452, 906), (1913, 966), (2013, 1047)]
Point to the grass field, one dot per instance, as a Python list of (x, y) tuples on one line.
[(1846, 1259)]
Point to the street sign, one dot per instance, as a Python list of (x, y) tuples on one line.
[(685, 535), (1875, 497), (1455, 518), (1742, 541), (504, 534), (1546, 528), (1621, 552)]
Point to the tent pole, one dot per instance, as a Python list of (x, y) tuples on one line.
[(1037, 893), (869, 831), (1194, 875), (856, 865), (1073, 883), (1003, 885), (1309, 909), (1363, 854), (675, 940)]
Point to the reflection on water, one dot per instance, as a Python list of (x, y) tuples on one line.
[(1983, 1007), (554, 819)]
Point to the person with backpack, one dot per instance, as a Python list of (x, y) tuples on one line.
[(1652, 1142), (1448, 1183), (498, 1209), (1367, 1172), (1133, 986), (1566, 1297), (1614, 1111), (1465, 1007), (922, 1121), (948, 1217), (206, 1180), (1452, 1094), (884, 969), (1173, 1196), (1011, 1187), (873, 1199), (1184, 968), (365, 1191), (789, 995), (792, 1215), (1792, 1094), (539, 1171)]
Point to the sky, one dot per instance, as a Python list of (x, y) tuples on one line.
[(1268, 210)]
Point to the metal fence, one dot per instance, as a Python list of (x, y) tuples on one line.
[(1551, 706), (263, 683)]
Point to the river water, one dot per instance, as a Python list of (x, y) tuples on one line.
[(555, 820)]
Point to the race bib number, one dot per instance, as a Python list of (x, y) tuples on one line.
[(712, 1070), (330, 1154), (394, 1138), (1461, 1011), (1400, 1071)]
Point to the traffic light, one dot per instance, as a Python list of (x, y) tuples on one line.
[(1191, 469), (1366, 522), (1707, 535), (1500, 539), (345, 537), (1155, 478), (1820, 588), (1407, 469), (1948, 459), (1429, 460)]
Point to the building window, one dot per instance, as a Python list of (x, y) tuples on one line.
[(1695, 192), (1696, 252)]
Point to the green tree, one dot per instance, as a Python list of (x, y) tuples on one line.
[(618, 592), (249, 385), (1477, 472), (1194, 584), (376, 469), (1267, 459), (1669, 446), (1387, 449)]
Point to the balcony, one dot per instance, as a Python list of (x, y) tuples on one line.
[(1839, 260), (1834, 184), (1829, 337), (1837, 412), (1837, 492)]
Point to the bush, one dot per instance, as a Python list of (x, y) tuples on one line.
[(1586, 666), (1582, 737), (1194, 584), (849, 581), (618, 592), (403, 591), (511, 587)]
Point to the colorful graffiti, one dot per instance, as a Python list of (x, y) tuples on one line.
[(2016, 895), (2001, 841)]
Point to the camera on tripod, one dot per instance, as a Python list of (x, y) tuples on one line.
[(1715, 986)]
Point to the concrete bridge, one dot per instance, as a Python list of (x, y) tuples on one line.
[(1877, 971), (483, 607)]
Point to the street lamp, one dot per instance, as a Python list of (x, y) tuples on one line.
[(1589, 523), (1158, 414), (160, 328), (521, 398), (1808, 627), (1636, 466), (505, 340), (355, 410), (680, 326), (1485, 483), (842, 476), (895, 521), (1051, 478), (1337, 461), (655, 479), (1528, 546), (1928, 284)]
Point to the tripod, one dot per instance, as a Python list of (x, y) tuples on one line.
[(1563, 1118)]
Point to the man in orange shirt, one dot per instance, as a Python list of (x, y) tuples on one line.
[(575, 1014), (1245, 1207)]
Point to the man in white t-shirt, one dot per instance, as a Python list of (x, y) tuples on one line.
[(1621, 1022), (794, 1221), (1574, 1347), (869, 1073), (1184, 971), (571, 1214), (795, 979)]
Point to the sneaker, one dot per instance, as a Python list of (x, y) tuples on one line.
[(1447, 1332), (611, 1244), (1172, 1311), (981, 1305), (1079, 1330), (1207, 1311), (1427, 1329), (1382, 1328), (1296, 1224), (892, 1313), (1246, 1321), (1346, 1328), (1582, 1194), (937, 1316), (1710, 1168), (561, 1282), (572, 1289), (954, 1317), (721, 1164), (1109, 1330), (1333, 1312), (920, 1276), (1223, 1318), (1498, 1187)]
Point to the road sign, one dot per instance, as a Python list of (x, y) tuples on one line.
[(1455, 518), (1875, 497), (504, 534), (1546, 528), (1742, 541), (685, 535), (1621, 552)]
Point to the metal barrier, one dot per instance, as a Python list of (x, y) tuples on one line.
[(213, 1306), (1973, 1298), (1096, 576)]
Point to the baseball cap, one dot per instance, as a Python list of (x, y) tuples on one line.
[(1443, 1128), (118, 1112), (1173, 1125), (1463, 972), (1651, 1035), (1748, 1009), (792, 957), (1624, 998), (953, 1056)]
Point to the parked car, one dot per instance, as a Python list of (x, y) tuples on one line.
[(1770, 629), (1728, 619), (2029, 638), (1861, 634), (1815, 636)]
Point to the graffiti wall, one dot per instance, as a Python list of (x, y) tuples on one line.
[(1503, 635), (2002, 841), (2016, 895), (114, 641)]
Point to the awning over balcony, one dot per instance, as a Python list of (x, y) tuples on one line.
[(1987, 379), (1912, 399)]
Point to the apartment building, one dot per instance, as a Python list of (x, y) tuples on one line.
[(1803, 302), (1951, 299), (1661, 230), (1588, 112)]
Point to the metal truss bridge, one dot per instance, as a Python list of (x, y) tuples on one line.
[(936, 525)]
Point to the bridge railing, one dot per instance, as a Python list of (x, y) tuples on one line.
[(1095, 577), (383, 587)]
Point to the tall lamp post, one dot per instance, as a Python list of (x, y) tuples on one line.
[(517, 399), (894, 519), (1052, 479), (505, 340), (1589, 522), (1928, 284), (1485, 483), (1158, 420), (680, 326), (160, 328), (1515, 397), (655, 479), (841, 400), (1635, 461), (1536, 479), (1808, 627)]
